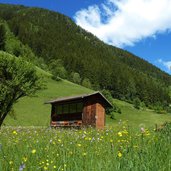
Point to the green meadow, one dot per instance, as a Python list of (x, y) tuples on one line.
[(112, 149), (128, 142), (137, 118), (31, 111)]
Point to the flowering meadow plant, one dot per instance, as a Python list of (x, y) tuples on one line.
[(121, 148)]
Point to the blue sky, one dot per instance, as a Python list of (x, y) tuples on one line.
[(139, 26)]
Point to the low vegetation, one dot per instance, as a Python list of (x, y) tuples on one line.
[(145, 117), (120, 148), (31, 111)]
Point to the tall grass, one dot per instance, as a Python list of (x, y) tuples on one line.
[(111, 149)]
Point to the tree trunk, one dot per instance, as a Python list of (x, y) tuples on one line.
[(2, 118), (1, 123), (3, 115)]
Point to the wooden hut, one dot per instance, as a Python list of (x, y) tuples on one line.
[(82, 110)]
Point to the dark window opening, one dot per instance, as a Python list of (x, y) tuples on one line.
[(69, 108), (79, 107), (58, 109)]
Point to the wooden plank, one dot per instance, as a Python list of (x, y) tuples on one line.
[(66, 123)]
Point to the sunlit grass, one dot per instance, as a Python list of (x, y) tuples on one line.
[(31, 111), (120, 148), (137, 118)]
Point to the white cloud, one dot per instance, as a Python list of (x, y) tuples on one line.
[(167, 64), (125, 22)]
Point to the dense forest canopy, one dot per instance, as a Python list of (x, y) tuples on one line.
[(56, 43)]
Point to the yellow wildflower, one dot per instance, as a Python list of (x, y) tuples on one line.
[(120, 134), (10, 162), (79, 145), (14, 132), (33, 151), (147, 133), (84, 154), (119, 154), (24, 159), (45, 168), (54, 167)]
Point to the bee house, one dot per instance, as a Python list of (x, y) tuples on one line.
[(82, 110)]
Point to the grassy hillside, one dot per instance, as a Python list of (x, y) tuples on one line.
[(137, 118), (31, 111)]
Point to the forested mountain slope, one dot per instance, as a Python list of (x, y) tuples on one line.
[(52, 36)]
